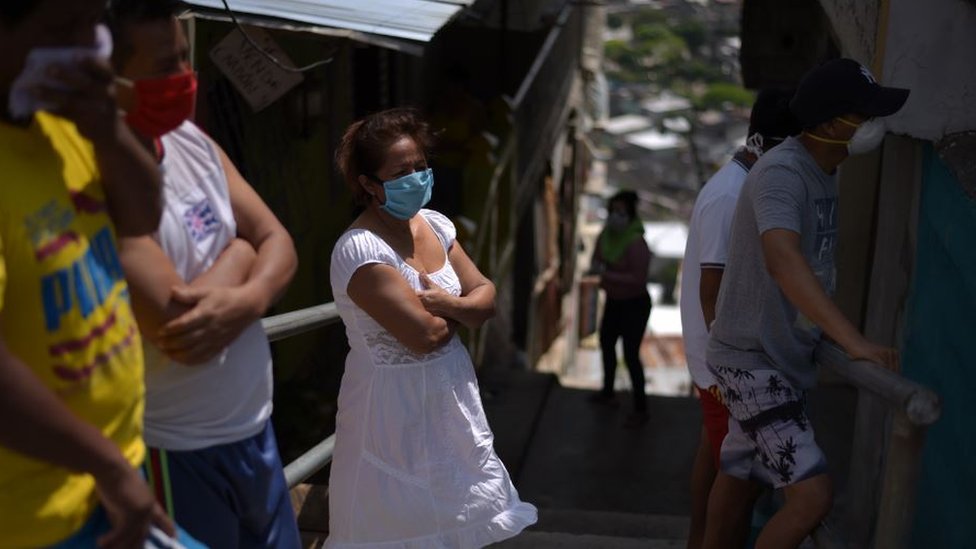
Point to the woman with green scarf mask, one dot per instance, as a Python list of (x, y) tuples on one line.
[(621, 259)]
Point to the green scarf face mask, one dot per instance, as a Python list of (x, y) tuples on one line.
[(613, 243)]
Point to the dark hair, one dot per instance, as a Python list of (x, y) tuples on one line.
[(628, 199), (364, 145), (13, 12), (125, 12), (771, 116)]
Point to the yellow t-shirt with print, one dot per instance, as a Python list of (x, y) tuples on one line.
[(64, 312)]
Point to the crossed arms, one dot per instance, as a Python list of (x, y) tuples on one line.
[(193, 320)]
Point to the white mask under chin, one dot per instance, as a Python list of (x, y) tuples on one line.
[(867, 137), (754, 144)]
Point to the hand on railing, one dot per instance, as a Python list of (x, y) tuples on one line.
[(886, 357), (920, 404)]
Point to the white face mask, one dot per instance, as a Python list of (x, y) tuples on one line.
[(867, 137), (754, 144)]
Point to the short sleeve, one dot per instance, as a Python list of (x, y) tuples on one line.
[(443, 227), (778, 200), (353, 250), (715, 224)]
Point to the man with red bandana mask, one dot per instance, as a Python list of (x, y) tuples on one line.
[(200, 284)]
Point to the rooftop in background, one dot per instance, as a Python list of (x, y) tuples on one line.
[(654, 140), (666, 102), (415, 20), (677, 124), (626, 123)]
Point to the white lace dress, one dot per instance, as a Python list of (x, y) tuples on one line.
[(414, 466)]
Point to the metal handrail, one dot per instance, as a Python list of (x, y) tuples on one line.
[(504, 158), (297, 322), (915, 407), (310, 462), (287, 325), (542, 56), (920, 405)]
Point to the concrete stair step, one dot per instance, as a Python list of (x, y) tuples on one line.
[(514, 401), (606, 523), (562, 540)]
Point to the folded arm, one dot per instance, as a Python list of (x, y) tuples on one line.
[(381, 291), (152, 279), (276, 260), (474, 306), (220, 314)]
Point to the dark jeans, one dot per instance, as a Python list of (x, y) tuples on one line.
[(626, 318)]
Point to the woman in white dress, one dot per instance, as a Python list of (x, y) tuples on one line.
[(414, 465)]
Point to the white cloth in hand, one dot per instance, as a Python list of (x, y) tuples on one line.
[(23, 103)]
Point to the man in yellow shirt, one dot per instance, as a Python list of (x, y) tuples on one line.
[(71, 372)]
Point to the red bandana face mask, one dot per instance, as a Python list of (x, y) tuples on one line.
[(162, 104)]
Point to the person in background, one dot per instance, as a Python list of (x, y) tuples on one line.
[(770, 123), (621, 259), (775, 302), (71, 367), (414, 462), (200, 284)]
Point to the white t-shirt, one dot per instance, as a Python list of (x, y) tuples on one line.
[(708, 245), (229, 398)]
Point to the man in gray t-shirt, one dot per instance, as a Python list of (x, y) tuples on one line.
[(775, 301), (761, 329)]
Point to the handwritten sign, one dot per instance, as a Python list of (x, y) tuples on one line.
[(256, 77)]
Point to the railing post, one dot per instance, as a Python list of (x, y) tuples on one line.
[(871, 421), (896, 511)]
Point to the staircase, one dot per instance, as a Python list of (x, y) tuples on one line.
[(597, 483), (574, 529)]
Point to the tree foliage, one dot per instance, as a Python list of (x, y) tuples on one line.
[(722, 94), (666, 52)]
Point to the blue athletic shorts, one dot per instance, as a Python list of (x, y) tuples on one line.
[(232, 495)]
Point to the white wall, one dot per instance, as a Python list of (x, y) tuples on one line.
[(855, 23), (931, 49)]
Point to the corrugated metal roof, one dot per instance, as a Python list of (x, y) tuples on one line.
[(409, 19)]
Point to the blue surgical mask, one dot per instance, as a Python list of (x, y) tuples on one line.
[(406, 195)]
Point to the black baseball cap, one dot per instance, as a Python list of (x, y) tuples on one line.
[(843, 86)]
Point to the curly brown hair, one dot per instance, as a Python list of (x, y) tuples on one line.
[(366, 142)]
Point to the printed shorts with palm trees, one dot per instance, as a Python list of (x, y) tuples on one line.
[(770, 438)]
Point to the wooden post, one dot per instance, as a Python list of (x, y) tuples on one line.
[(896, 512), (894, 252)]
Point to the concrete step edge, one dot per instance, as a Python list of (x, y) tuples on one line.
[(610, 523), (559, 540)]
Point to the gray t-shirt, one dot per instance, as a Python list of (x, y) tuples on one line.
[(755, 325)]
